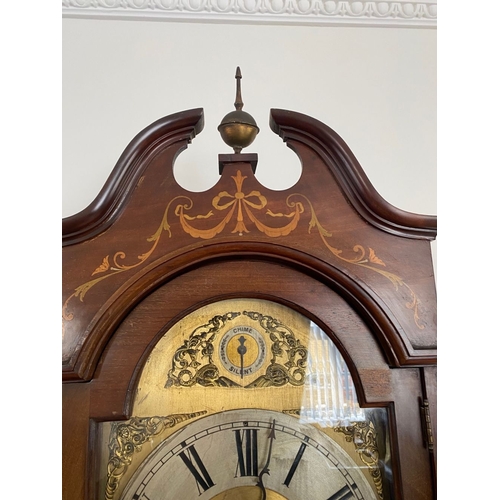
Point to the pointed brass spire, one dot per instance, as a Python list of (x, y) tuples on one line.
[(238, 104), (238, 129)]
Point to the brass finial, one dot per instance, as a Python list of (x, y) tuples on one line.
[(238, 129), (238, 104)]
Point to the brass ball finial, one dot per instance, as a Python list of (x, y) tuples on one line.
[(238, 129)]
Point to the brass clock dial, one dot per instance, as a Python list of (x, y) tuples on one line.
[(206, 401), (223, 455)]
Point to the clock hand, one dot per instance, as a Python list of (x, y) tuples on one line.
[(265, 469), (241, 351)]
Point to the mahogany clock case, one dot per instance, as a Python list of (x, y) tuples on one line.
[(146, 253)]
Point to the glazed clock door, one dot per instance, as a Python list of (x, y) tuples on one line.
[(246, 399)]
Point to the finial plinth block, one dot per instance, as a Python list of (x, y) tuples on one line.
[(227, 159)]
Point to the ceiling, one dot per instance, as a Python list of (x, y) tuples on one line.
[(371, 13)]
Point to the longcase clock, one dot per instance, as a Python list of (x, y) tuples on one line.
[(245, 343)]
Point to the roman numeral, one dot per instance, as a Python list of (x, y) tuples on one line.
[(295, 464), (343, 494), (199, 471), (246, 446)]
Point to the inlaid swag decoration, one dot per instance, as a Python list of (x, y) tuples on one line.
[(238, 207)]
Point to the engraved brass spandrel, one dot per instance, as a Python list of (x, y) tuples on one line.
[(189, 353), (196, 362), (284, 346), (193, 361), (363, 438), (127, 439)]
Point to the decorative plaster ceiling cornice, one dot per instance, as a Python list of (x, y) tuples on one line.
[(403, 13)]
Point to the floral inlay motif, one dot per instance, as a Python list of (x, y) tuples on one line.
[(246, 206)]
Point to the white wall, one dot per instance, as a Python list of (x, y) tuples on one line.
[(376, 87)]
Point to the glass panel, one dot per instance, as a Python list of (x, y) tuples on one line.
[(329, 396)]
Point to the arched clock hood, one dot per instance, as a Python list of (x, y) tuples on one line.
[(143, 229), (147, 252)]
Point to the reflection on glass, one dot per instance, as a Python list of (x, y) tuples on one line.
[(329, 395)]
